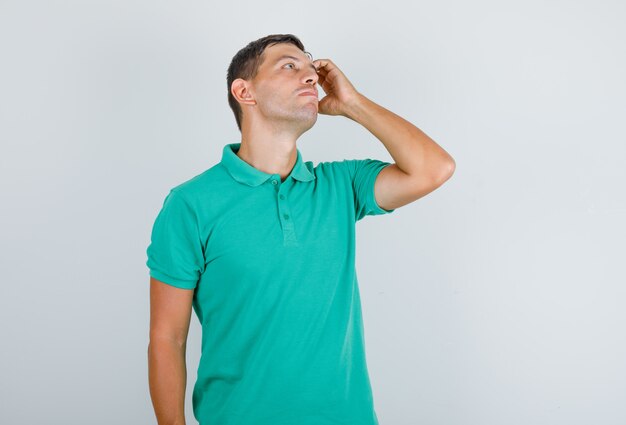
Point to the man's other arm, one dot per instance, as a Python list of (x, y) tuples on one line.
[(170, 313)]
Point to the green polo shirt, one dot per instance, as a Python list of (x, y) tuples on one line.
[(272, 264)]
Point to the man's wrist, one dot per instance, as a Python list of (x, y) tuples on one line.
[(355, 106)]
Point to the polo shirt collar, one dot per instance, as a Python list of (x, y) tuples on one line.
[(247, 174)]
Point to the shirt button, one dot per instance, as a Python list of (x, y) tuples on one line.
[(286, 216), (274, 182), (281, 196)]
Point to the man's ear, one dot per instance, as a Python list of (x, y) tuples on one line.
[(240, 91)]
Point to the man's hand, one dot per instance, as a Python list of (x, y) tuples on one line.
[(340, 93)]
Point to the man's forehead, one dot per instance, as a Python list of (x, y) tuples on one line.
[(277, 51)]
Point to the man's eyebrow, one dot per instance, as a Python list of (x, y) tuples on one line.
[(294, 58)]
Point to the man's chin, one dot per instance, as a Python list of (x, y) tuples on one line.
[(308, 121), (309, 114), (314, 118)]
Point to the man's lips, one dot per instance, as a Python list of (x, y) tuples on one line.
[(308, 93)]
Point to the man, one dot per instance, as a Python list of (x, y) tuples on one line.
[(262, 246)]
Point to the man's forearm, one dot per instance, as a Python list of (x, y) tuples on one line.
[(167, 375), (411, 149)]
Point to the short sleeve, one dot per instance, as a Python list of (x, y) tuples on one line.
[(176, 254), (363, 173)]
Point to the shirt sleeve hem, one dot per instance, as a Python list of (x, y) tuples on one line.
[(377, 208), (179, 283)]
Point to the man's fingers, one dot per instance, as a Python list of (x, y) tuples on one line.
[(325, 64)]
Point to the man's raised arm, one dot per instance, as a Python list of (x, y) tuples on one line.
[(421, 165)]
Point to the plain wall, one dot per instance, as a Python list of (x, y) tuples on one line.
[(497, 299)]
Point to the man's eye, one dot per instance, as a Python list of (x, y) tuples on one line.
[(290, 63)]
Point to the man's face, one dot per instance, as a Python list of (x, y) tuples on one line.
[(285, 72)]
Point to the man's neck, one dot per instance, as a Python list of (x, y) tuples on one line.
[(269, 157)]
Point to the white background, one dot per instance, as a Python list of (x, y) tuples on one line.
[(497, 299)]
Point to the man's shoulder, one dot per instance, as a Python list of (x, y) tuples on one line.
[(203, 183), (328, 166), (339, 169)]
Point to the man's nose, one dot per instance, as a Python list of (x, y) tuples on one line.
[(311, 76)]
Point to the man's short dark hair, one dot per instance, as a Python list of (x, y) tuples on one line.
[(245, 64)]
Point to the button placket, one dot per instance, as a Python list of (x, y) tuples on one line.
[(284, 214)]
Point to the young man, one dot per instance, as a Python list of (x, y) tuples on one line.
[(262, 246)]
